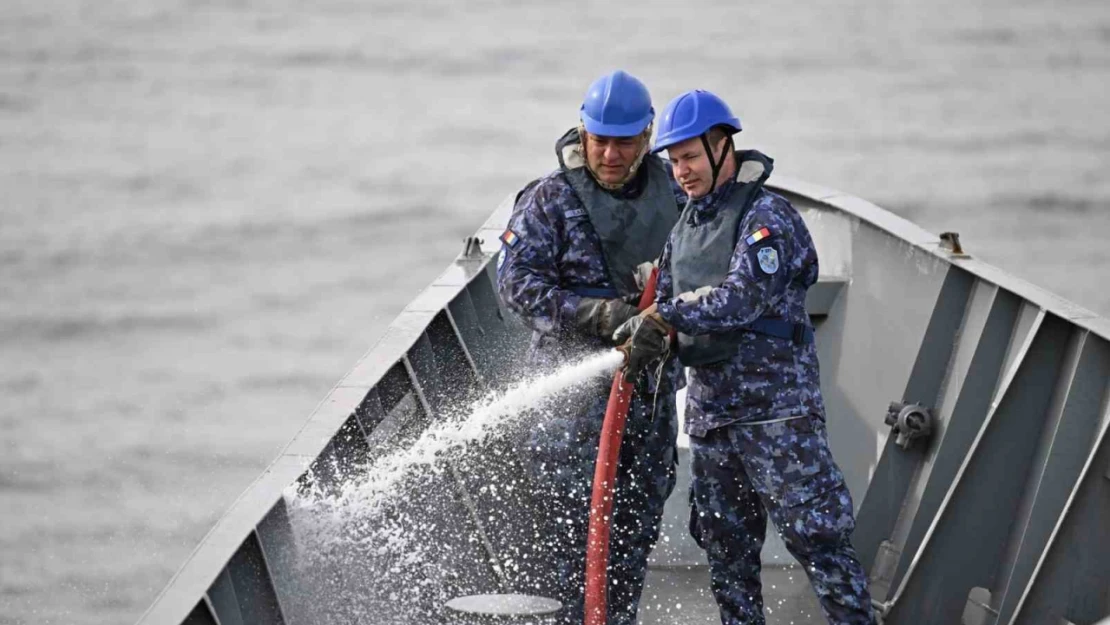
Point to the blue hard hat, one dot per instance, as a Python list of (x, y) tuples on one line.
[(617, 105), (691, 115)]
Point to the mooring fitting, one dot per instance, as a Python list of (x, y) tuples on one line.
[(909, 422)]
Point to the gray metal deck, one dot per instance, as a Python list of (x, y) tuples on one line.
[(1001, 517), (682, 597)]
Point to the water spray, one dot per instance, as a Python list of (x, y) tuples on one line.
[(359, 528)]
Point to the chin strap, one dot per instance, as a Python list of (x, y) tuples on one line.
[(716, 165)]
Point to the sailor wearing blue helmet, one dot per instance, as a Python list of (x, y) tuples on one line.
[(568, 268), (732, 284)]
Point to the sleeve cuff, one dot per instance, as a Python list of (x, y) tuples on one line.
[(569, 307), (668, 312)]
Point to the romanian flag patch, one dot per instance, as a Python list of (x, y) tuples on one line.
[(510, 238), (757, 236)]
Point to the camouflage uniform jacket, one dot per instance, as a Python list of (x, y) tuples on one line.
[(767, 377), (554, 260)]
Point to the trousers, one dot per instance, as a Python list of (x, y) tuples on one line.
[(744, 473)]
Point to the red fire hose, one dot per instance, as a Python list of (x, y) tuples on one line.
[(605, 476)]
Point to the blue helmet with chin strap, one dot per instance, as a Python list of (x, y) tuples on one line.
[(691, 115), (617, 105)]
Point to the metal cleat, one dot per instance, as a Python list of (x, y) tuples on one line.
[(909, 422)]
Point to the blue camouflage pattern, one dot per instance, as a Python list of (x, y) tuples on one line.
[(742, 473), (768, 377), (561, 464), (555, 252), (756, 422), (551, 256)]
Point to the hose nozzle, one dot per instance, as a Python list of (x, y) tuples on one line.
[(626, 351)]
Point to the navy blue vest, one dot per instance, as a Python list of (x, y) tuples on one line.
[(701, 255)]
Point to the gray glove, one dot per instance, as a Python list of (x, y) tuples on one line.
[(602, 317), (643, 340)]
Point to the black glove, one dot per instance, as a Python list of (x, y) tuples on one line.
[(643, 340), (601, 317)]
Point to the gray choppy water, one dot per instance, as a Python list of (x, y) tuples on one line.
[(210, 210)]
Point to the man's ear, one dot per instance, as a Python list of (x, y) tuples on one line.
[(719, 149)]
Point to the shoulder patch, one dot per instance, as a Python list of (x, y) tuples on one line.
[(768, 258), (510, 239), (757, 236), (575, 213)]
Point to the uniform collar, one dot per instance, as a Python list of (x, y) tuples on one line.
[(570, 152), (753, 167)]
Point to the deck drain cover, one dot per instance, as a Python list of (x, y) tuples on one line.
[(502, 609)]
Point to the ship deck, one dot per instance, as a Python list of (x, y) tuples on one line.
[(681, 596)]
